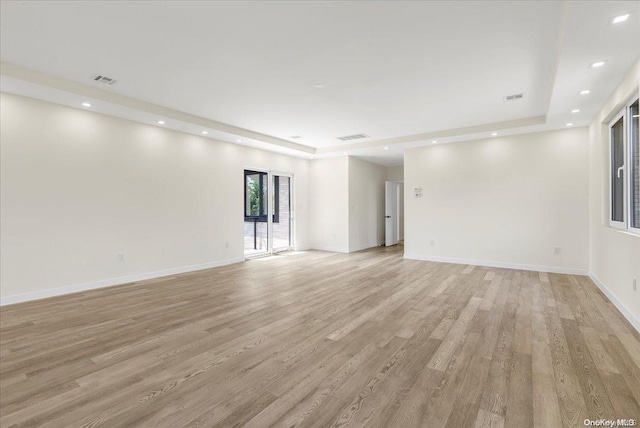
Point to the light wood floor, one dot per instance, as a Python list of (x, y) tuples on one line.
[(320, 339)]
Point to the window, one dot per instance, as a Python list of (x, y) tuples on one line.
[(624, 171), (634, 179), (617, 172), (256, 196)]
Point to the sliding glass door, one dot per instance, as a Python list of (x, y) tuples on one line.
[(256, 208), (268, 213), (282, 212)]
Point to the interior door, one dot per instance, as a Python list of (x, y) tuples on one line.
[(391, 209)]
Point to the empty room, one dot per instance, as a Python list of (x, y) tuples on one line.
[(319, 214)]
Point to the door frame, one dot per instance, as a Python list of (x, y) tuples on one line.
[(270, 209), (395, 216), (291, 212)]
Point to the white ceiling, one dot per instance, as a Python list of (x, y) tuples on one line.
[(403, 72)]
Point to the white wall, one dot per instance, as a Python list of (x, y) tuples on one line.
[(395, 173), (506, 201), (78, 188), (614, 254), (329, 222), (366, 204)]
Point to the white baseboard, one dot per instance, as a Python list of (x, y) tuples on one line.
[(330, 249), (635, 322), (504, 265), (366, 247), (36, 295)]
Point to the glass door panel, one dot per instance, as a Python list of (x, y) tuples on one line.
[(282, 218), (256, 237)]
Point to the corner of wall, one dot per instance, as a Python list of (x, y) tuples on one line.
[(614, 255)]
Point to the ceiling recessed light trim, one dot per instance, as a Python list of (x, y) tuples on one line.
[(205, 132), (238, 141), (575, 110), (161, 122), (386, 148), (86, 104), (585, 92), (434, 141), (597, 64), (318, 85), (569, 124), (620, 18), (494, 134)]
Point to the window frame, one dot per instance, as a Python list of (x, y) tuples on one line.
[(262, 175), (629, 159), (627, 178), (612, 223), (264, 179)]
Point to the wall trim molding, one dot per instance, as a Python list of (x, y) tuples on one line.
[(635, 322), (330, 249), (366, 247), (42, 79), (69, 289), (504, 265)]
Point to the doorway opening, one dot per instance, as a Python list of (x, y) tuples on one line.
[(268, 212), (394, 212)]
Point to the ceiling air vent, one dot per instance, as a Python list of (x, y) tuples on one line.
[(352, 137), (514, 97), (104, 79)]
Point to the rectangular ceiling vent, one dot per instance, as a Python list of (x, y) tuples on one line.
[(352, 137), (104, 79), (514, 97)]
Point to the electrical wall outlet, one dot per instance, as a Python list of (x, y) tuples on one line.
[(120, 257), (226, 245), (556, 250), (432, 243)]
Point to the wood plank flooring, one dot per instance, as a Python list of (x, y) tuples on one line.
[(317, 339)]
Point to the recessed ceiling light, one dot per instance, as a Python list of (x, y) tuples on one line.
[(569, 124), (346, 153), (493, 134), (86, 104), (386, 148), (161, 122), (434, 141), (239, 141), (318, 86), (575, 110), (585, 92), (619, 19), (205, 132), (597, 64)]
